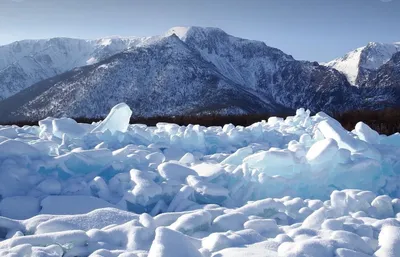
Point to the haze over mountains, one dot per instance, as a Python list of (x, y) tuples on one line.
[(187, 71)]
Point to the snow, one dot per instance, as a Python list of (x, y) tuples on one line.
[(169, 243), (389, 241), (208, 171), (145, 192), (16, 148), (27, 62), (370, 57), (180, 32), (174, 171), (19, 207), (303, 186), (333, 130), (322, 151), (192, 222), (67, 126), (365, 133), (349, 64), (71, 204), (271, 160), (262, 226), (50, 186)]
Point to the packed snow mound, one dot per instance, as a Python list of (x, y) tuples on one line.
[(303, 186)]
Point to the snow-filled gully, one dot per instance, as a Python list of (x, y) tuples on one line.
[(303, 186)]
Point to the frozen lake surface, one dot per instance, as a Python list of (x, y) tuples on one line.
[(301, 186)]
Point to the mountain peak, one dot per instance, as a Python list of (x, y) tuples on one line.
[(357, 64), (185, 32), (180, 32), (374, 44)]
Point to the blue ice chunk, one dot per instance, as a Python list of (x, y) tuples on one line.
[(116, 120)]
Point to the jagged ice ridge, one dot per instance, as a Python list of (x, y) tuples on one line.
[(303, 186)]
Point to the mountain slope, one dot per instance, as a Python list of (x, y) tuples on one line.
[(268, 72), (359, 65), (187, 71), (383, 88), (26, 62), (164, 78)]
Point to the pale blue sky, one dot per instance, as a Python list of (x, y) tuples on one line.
[(308, 29)]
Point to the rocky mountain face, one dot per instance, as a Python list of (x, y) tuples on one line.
[(186, 71), (383, 86), (360, 65), (192, 71), (374, 70)]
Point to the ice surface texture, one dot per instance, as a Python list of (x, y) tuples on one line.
[(303, 186)]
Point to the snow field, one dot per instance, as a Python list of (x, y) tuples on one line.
[(303, 186)]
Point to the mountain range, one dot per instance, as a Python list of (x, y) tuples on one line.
[(362, 64), (187, 70)]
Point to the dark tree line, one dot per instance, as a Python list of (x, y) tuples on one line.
[(386, 121)]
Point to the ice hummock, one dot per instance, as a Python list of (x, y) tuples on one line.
[(303, 186), (116, 120)]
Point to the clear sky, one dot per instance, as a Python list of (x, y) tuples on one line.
[(318, 30)]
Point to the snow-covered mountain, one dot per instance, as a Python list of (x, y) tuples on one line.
[(26, 62), (186, 71), (383, 86), (196, 70), (360, 64)]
